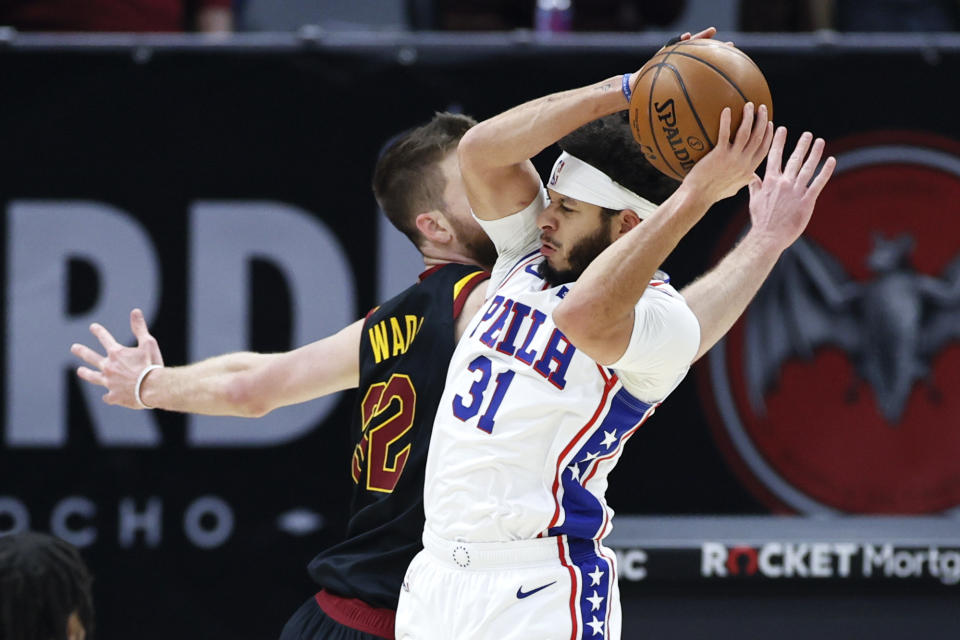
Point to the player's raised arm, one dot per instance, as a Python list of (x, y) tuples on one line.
[(236, 384), (780, 208), (598, 314), (495, 154)]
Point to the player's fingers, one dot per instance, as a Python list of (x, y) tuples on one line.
[(104, 336), (811, 163), (756, 184), (723, 137), (94, 377), (775, 157), (139, 326), (821, 178), (799, 153), (746, 127), (709, 32), (764, 147), (88, 355), (759, 130), (144, 338)]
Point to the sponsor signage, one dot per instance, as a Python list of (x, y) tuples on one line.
[(791, 562), (826, 560)]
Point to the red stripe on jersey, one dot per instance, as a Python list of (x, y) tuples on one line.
[(603, 527), (603, 374), (563, 454), (460, 297), (370, 313), (606, 525), (426, 273), (574, 588)]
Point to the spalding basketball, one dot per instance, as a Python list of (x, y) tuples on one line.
[(676, 103)]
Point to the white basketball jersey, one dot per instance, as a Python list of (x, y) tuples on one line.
[(529, 427)]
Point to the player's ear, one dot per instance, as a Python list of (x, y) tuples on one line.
[(627, 219), (433, 226)]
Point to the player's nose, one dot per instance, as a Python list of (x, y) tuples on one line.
[(547, 219)]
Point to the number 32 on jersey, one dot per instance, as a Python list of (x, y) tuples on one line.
[(388, 411)]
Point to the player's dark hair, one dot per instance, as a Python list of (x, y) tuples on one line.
[(43, 580), (407, 180), (608, 145)]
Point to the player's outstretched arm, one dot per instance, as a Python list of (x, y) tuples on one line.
[(597, 315), (780, 208), (236, 384)]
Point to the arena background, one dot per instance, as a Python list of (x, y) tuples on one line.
[(223, 186)]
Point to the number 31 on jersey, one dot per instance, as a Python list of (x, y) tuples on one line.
[(467, 406)]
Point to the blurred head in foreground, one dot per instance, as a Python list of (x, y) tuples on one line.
[(44, 589)]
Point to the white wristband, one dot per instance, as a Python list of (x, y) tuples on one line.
[(143, 374)]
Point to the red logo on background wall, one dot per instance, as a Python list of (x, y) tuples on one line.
[(839, 388)]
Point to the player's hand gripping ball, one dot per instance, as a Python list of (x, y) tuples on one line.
[(676, 103)]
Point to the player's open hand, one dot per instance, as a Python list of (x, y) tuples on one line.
[(119, 368), (782, 203), (731, 164)]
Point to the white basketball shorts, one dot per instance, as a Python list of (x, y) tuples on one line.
[(550, 588)]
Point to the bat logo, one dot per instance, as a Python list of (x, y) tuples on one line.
[(838, 390), (890, 326)]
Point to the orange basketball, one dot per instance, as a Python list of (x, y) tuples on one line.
[(676, 103)]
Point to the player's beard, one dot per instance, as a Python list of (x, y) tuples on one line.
[(581, 255), (476, 242)]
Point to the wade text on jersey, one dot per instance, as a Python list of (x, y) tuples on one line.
[(393, 336)]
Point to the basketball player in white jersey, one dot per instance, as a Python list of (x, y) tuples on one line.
[(580, 340)]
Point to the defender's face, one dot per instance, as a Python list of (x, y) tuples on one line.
[(572, 234)]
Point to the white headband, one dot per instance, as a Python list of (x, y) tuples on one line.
[(576, 179)]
